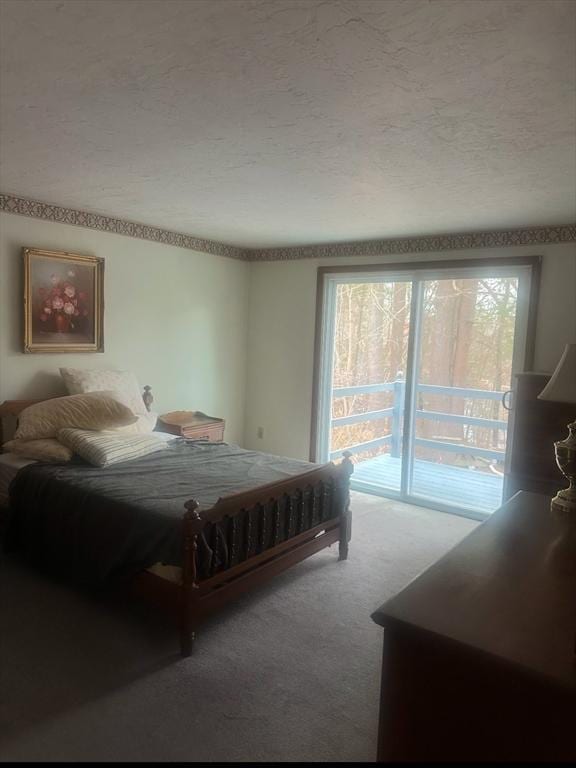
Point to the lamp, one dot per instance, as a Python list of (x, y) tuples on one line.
[(562, 389)]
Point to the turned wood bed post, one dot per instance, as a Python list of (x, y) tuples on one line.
[(148, 397), (347, 468), (192, 524)]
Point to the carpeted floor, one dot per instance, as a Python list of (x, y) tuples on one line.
[(290, 672)]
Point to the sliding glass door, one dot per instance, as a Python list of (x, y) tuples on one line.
[(412, 373), (371, 322)]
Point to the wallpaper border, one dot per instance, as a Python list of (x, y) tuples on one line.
[(387, 246), (425, 244), (56, 213)]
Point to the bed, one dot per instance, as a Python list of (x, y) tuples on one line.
[(189, 528)]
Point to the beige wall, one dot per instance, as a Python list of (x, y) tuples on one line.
[(281, 336), (175, 317)]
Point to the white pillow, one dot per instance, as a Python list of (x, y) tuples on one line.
[(103, 448), (123, 383)]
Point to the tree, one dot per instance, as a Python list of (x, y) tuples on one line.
[(466, 341)]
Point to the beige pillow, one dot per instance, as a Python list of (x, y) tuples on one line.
[(145, 424), (105, 448), (98, 410), (123, 383), (48, 449)]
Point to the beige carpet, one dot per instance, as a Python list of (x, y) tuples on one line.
[(290, 672)]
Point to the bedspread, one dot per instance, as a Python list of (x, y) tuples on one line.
[(105, 524)]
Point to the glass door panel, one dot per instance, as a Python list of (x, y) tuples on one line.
[(463, 364), (369, 360)]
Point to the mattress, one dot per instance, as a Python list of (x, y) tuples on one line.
[(106, 524), (10, 464)]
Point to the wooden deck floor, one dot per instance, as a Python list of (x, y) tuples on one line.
[(467, 488)]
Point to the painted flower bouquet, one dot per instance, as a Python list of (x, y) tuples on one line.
[(63, 308)]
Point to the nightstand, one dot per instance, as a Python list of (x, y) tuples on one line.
[(193, 425)]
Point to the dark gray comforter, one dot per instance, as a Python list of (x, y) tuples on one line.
[(105, 524)]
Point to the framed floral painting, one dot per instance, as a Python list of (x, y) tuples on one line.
[(63, 302)]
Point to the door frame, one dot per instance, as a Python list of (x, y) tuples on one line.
[(324, 326)]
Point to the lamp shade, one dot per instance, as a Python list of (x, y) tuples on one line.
[(562, 386)]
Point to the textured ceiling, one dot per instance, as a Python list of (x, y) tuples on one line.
[(282, 122)]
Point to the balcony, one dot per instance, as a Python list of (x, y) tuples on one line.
[(465, 474)]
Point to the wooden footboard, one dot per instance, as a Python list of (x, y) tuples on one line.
[(252, 536), (248, 537)]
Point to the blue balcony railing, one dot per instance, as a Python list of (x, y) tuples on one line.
[(395, 414)]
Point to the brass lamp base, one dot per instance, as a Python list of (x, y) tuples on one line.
[(563, 505), (565, 500)]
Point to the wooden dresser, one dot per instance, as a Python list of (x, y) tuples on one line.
[(480, 650), (534, 427)]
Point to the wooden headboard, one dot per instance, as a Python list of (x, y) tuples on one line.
[(15, 407)]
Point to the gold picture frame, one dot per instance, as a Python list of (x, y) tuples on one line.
[(63, 301)]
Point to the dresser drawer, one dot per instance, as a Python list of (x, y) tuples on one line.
[(211, 433)]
